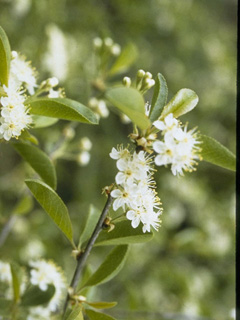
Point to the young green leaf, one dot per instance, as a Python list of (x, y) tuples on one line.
[(159, 99), (25, 135), (216, 153), (110, 267), (53, 205), (131, 102), (62, 108), (125, 60), (34, 296), (93, 315), (184, 101), (43, 122), (75, 314), (102, 304), (90, 224), (24, 205), (123, 233), (5, 57), (39, 161), (16, 280)]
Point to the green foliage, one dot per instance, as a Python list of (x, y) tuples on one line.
[(26, 135), (39, 161), (43, 122), (110, 267), (184, 101), (102, 304), (16, 280), (214, 152), (125, 60), (130, 102), (75, 314), (34, 296), (53, 205), (123, 233), (90, 224), (24, 205), (5, 57), (159, 99), (93, 315), (5, 307), (62, 108)]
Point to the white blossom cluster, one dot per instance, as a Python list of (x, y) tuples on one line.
[(179, 147), (45, 273), (135, 192), (14, 114)]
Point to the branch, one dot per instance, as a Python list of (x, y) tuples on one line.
[(83, 257)]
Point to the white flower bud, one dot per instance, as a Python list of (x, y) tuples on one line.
[(53, 82), (83, 158), (14, 54), (149, 83), (127, 82), (102, 109), (148, 75), (93, 102), (86, 144), (97, 42), (69, 133), (108, 42), (116, 49), (140, 73)]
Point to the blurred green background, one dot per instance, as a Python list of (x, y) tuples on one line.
[(188, 269)]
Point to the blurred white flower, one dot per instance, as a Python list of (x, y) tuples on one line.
[(85, 144), (83, 158), (43, 274), (5, 272), (56, 58), (39, 313)]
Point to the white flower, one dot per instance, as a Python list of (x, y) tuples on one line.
[(22, 72), (124, 197), (45, 273), (136, 188), (169, 123), (179, 147), (39, 313)]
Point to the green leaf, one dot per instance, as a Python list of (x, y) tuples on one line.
[(75, 314), (110, 267), (25, 135), (5, 307), (34, 296), (93, 315), (216, 153), (16, 280), (159, 99), (53, 205), (123, 233), (131, 102), (42, 122), (23, 206), (125, 60), (5, 57), (62, 108), (184, 101), (90, 224), (39, 161), (102, 304)]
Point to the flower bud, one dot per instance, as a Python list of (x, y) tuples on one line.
[(83, 158), (102, 109), (116, 49), (69, 133), (97, 42), (108, 42), (126, 82), (85, 144), (53, 82), (140, 73), (14, 54), (148, 75)]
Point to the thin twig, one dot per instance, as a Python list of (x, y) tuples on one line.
[(83, 257)]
